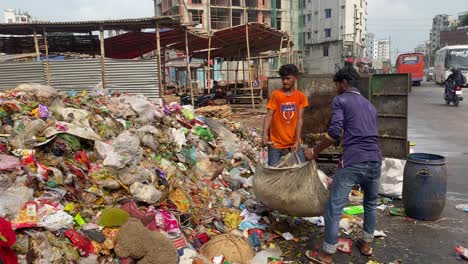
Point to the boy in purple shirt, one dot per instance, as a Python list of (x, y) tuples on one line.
[(354, 118)]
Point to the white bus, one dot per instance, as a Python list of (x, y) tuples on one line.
[(450, 57)]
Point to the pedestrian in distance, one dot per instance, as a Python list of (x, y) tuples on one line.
[(354, 119), (282, 127)]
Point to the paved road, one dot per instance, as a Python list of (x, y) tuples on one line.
[(440, 129)]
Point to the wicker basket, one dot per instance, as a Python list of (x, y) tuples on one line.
[(235, 249)]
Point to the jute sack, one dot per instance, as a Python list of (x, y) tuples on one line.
[(296, 190)]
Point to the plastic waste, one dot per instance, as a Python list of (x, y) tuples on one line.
[(345, 245), (145, 193), (462, 252), (391, 180), (318, 220), (8, 162), (85, 247), (7, 239), (130, 175), (111, 217), (13, 198), (263, 256), (354, 210), (462, 207), (235, 176)]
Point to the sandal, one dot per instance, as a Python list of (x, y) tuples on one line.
[(366, 252), (312, 256)]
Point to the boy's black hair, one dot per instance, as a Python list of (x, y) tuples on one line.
[(349, 74), (288, 69)]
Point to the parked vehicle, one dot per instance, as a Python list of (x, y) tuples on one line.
[(450, 57), (453, 92), (412, 63), (203, 100), (429, 73)]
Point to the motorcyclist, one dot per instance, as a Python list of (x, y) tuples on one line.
[(457, 77)]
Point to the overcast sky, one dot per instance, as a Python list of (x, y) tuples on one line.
[(407, 22)]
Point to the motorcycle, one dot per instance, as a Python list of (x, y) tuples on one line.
[(203, 100), (453, 93)]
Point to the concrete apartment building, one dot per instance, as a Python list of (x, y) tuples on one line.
[(370, 44), (382, 50), (440, 23), (334, 31), (16, 16)]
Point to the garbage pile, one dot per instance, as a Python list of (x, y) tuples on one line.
[(99, 178)]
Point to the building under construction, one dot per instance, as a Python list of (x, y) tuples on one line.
[(212, 15)]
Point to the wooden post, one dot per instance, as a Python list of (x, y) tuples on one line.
[(158, 51), (279, 54), (237, 72), (91, 44), (289, 52), (48, 77), (208, 79), (103, 55), (227, 75), (36, 46), (187, 60), (248, 65)]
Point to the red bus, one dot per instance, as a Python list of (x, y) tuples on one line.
[(411, 63)]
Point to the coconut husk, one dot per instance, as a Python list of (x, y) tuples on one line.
[(233, 248)]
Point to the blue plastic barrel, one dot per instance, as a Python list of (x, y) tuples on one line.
[(424, 186)]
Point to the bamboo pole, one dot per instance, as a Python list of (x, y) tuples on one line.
[(103, 55), (36, 46), (248, 64), (158, 50), (237, 72), (187, 60), (48, 77), (289, 52), (227, 74), (208, 64)]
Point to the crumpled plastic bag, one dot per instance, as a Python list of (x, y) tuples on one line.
[(130, 175), (179, 138), (127, 146), (391, 181), (8, 162), (13, 198), (143, 107), (38, 90), (145, 193)]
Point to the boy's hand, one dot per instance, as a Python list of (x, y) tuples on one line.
[(295, 147), (265, 140)]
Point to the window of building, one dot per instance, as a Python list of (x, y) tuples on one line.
[(328, 13), (361, 3), (309, 35), (327, 32), (196, 1), (309, 1), (309, 17), (326, 51), (10, 20)]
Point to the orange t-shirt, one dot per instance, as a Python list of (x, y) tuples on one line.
[(284, 121)]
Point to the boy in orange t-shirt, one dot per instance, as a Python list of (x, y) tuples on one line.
[(282, 127)]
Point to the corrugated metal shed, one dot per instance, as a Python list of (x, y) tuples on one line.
[(13, 74), (126, 76)]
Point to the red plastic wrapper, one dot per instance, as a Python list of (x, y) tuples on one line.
[(84, 246), (82, 157), (345, 245), (28, 216), (76, 170)]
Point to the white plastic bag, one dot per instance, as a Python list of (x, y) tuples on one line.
[(391, 180)]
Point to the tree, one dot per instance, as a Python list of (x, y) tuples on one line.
[(464, 20)]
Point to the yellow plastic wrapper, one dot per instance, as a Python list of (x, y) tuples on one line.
[(232, 219), (180, 200)]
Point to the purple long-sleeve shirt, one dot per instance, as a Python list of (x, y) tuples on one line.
[(357, 118)]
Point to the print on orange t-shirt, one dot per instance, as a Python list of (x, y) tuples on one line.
[(284, 121)]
